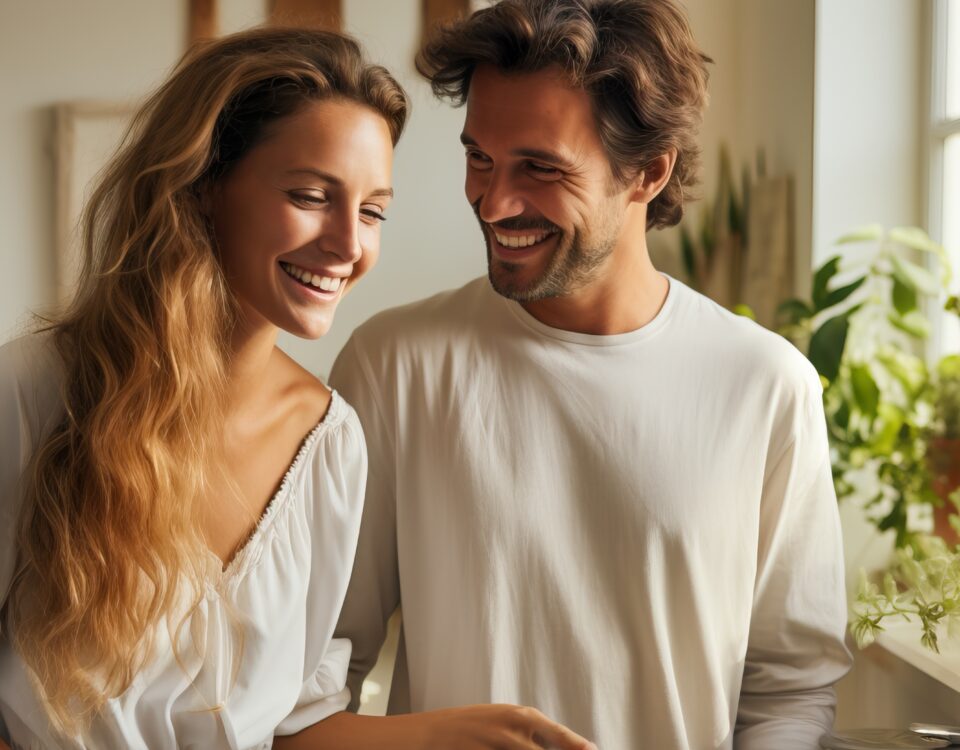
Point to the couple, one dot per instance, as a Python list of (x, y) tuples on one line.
[(598, 495)]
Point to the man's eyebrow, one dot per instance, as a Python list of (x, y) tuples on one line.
[(333, 180), (539, 154)]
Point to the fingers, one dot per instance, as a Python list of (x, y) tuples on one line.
[(549, 734)]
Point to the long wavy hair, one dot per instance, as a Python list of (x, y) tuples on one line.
[(109, 541)]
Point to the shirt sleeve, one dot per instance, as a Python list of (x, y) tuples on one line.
[(337, 483), (29, 399), (14, 437), (374, 591), (796, 648)]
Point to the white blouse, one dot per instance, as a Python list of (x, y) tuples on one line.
[(271, 664)]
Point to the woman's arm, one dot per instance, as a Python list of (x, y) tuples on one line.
[(480, 727)]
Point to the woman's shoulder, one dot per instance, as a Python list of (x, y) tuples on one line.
[(334, 444), (31, 372), (27, 355)]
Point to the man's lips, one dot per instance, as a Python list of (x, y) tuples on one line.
[(516, 245)]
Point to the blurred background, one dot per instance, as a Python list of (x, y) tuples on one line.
[(825, 116)]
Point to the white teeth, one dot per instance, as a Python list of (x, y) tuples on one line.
[(325, 283), (523, 241)]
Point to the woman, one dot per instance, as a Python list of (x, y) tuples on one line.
[(180, 500)]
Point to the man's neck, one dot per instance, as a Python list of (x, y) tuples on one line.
[(627, 294)]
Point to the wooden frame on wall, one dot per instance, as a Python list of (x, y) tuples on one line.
[(310, 14), (437, 12), (202, 21), (86, 135)]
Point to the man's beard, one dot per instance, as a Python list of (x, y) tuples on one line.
[(573, 264)]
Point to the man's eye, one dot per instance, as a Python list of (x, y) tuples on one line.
[(478, 160), (542, 169)]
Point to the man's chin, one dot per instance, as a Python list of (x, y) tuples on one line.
[(512, 283)]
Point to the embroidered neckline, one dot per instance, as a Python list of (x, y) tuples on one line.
[(239, 563)]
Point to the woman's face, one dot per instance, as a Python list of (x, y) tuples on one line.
[(297, 219)]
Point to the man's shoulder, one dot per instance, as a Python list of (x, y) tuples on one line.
[(449, 313), (749, 350)]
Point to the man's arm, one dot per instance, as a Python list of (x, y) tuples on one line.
[(374, 591), (796, 648)]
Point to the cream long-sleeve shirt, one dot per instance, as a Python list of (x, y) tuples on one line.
[(270, 664), (636, 534)]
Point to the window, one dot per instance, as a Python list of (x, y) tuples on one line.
[(945, 146)]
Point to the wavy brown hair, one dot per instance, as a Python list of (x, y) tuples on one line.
[(109, 542), (637, 59)]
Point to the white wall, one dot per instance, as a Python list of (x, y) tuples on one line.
[(53, 51), (870, 98)]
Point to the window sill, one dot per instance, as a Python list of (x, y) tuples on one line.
[(902, 639)]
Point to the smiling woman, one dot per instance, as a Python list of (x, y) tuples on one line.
[(298, 221)]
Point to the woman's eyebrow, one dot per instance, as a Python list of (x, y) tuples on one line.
[(326, 176)]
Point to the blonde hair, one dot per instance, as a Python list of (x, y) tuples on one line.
[(109, 543)]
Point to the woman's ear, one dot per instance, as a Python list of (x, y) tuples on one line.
[(654, 177)]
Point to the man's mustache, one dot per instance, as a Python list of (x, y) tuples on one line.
[(517, 223)]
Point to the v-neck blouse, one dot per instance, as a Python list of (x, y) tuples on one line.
[(257, 655)]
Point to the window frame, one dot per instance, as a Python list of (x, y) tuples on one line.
[(939, 129)]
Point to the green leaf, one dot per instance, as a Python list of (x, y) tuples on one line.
[(891, 419), (908, 370), (867, 233), (744, 311), (916, 239), (904, 297), (836, 296), (953, 305), (913, 323), (865, 390), (827, 343), (821, 281), (792, 311), (895, 519), (949, 366), (914, 276)]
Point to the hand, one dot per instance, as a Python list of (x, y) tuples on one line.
[(497, 727)]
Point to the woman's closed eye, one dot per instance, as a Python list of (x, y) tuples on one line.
[(307, 199), (372, 213)]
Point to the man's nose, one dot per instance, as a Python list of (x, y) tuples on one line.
[(500, 199)]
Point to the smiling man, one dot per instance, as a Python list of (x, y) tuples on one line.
[(595, 491)]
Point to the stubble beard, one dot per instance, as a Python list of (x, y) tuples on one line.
[(573, 265)]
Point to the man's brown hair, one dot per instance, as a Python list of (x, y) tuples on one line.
[(636, 58)]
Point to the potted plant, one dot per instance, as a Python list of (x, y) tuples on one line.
[(863, 329), (894, 423)]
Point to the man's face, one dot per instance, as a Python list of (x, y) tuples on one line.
[(540, 183)]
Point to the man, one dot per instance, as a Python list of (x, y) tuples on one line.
[(595, 491)]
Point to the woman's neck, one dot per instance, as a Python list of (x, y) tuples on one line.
[(252, 350)]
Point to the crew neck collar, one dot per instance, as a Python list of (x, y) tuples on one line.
[(589, 339)]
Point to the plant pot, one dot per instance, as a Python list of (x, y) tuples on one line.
[(943, 460)]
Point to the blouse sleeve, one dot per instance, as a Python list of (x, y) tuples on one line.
[(28, 405), (338, 485)]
